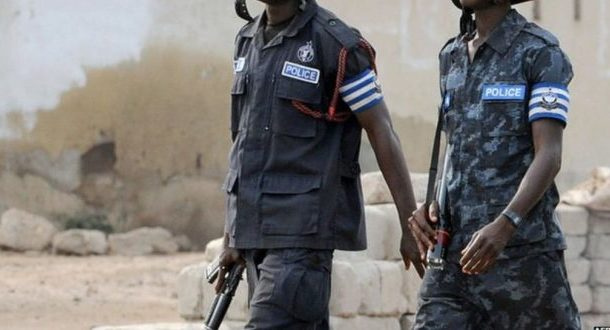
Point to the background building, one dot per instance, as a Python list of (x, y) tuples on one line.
[(120, 108)]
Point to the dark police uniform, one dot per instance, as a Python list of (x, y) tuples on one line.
[(293, 186), (519, 75)]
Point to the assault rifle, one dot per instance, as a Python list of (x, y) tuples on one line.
[(223, 299)]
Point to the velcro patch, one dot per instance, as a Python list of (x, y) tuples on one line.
[(503, 92), (301, 72), (239, 64)]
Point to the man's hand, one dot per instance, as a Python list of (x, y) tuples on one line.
[(377, 123), (228, 257), (424, 234), (410, 254), (485, 246)]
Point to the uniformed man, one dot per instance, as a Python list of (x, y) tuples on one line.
[(504, 84), (305, 85)]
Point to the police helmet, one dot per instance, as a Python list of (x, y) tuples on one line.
[(242, 9), (467, 24), (514, 2)]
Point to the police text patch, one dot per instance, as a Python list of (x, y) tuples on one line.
[(301, 72), (503, 92)]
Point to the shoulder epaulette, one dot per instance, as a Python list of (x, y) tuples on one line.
[(344, 34), (541, 33), (246, 28)]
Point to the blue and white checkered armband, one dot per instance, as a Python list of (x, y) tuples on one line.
[(361, 92), (549, 101)]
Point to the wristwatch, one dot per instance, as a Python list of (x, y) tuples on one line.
[(513, 217)]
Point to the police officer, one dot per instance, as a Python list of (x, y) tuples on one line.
[(504, 83), (305, 84)]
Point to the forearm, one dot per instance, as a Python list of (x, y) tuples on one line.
[(390, 158), (536, 181), (377, 123)]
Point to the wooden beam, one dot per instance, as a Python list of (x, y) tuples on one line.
[(537, 11), (577, 10)]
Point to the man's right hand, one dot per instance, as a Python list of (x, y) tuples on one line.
[(409, 252), (228, 257), (424, 234)]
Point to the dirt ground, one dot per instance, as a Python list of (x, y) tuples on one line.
[(41, 291)]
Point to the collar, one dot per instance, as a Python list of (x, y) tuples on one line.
[(503, 35), (295, 26)]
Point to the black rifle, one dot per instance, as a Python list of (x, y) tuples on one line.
[(223, 299), (438, 255)]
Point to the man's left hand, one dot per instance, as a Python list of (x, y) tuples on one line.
[(485, 246), (410, 253)]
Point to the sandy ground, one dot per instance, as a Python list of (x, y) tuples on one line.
[(40, 291)]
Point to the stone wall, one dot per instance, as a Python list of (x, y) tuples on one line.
[(372, 290), (588, 262), (25, 232)]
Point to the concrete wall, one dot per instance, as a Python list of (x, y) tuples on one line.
[(121, 104), (121, 107)]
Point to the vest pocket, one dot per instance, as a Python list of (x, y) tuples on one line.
[(506, 118), (287, 119), (302, 287), (290, 204), (506, 138), (238, 91), (230, 187)]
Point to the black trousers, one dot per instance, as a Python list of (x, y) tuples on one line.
[(288, 288)]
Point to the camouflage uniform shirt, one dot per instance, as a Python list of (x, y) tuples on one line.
[(518, 75)]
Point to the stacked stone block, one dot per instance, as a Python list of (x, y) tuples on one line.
[(595, 260), (372, 290), (575, 225)]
